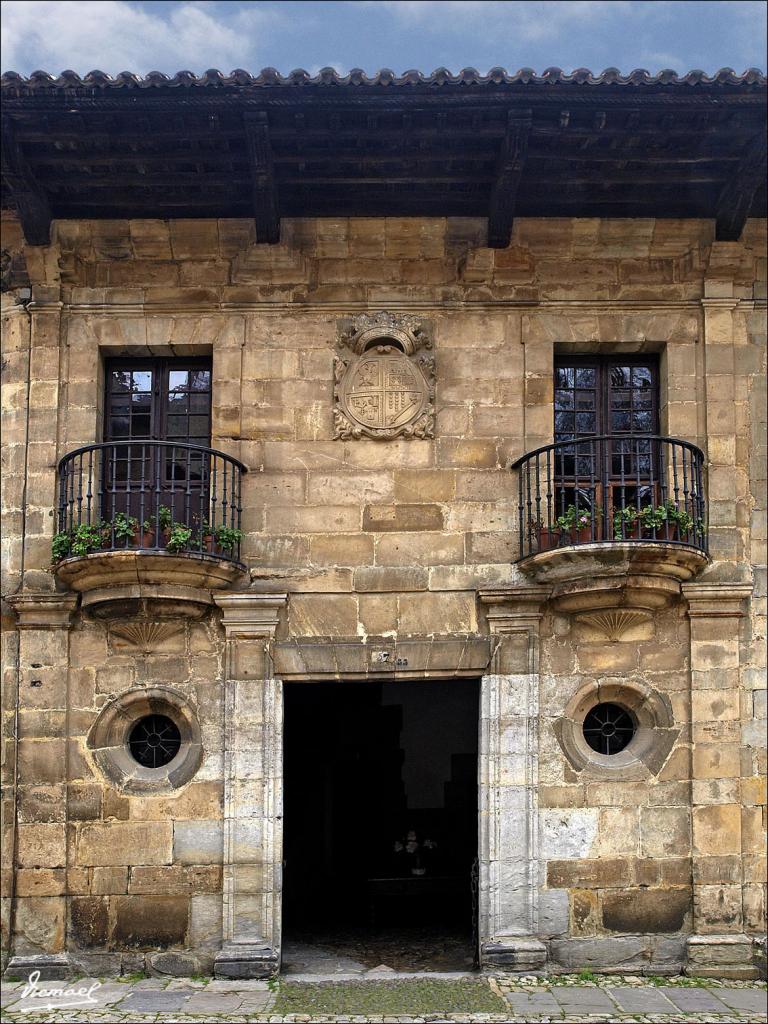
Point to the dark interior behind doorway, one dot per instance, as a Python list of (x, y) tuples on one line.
[(365, 765)]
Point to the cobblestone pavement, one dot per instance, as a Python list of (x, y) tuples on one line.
[(381, 1000)]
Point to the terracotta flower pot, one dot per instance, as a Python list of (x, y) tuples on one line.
[(150, 538), (209, 545), (583, 535), (547, 539)]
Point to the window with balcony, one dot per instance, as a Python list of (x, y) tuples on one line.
[(615, 399), (609, 477), (164, 400), (154, 484)]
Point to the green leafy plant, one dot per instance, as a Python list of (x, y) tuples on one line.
[(685, 522), (87, 538), (228, 538), (164, 519), (577, 518), (626, 518), (179, 538), (587, 975), (125, 527), (60, 545), (653, 519)]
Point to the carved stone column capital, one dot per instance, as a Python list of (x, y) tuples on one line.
[(249, 616), (716, 600), (512, 609), (44, 611)]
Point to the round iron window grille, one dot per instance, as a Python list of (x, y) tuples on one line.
[(608, 728), (154, 741)]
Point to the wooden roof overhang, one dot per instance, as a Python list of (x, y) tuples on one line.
[(496, 146)]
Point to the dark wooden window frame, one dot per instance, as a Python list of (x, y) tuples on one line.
[(607, 476), (160, 367), (182, 472)]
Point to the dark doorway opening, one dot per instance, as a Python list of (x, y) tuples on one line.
[(380, 822)]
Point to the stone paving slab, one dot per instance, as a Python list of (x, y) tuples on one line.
[(529, 1001)]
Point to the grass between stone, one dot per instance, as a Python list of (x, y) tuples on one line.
[(388, 997)]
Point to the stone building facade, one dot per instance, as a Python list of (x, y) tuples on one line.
[(367, 557)]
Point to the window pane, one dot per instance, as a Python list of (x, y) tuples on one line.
[(177, 426), (140, 401), (177, 401), (564, 377), (642, 377), (140, 426), (641, 421), (564, 422), (585, 422), (201, 380), (142, 380), (620, 376), (585, 399), (563, 399), (178, 379), (199, 403), (198, 425), (620, 400), (586, 377), (119, 426), (620, 421), (121, 380)]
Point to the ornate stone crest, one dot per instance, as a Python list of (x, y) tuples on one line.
[(384, 380)]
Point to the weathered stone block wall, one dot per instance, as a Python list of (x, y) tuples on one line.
[(376, 538), (618, 842)]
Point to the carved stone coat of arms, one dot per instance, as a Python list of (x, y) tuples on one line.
[(384, 380)]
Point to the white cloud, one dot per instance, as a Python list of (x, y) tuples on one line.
[(529, 22), (114, 36)]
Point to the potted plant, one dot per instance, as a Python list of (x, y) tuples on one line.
[(684, 524), (577, 523), (654, 522), (227, 538), (625, 523), (125, 529), (546, 538), (60, 545), (87, 538), (178, 538), (206, 539), (151, 526)]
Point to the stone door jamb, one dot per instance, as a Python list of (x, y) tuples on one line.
[(509, 752)]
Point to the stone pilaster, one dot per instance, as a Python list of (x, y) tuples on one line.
[(43, 426), (39, 857), (508, 841), (718, 946), (253, 729), (727, 414)]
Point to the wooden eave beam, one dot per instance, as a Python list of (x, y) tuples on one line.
[(735, 200), (509, 171), (265, 206), (24, 192)]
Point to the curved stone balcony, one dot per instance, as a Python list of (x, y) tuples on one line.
[(148, 527), (615, 521)]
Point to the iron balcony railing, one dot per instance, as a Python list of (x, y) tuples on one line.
[(149, 496), (611, 489)]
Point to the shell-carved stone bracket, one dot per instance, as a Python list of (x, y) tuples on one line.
[(384, 380)]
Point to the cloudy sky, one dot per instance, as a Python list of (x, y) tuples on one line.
[(169, 35)]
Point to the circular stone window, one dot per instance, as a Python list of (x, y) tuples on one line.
[(608, 728), (147, 740), (154, 741), (614, 729)]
